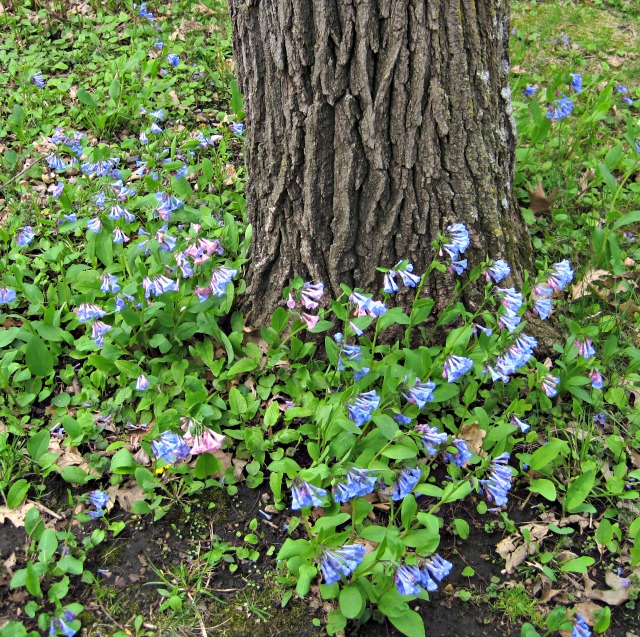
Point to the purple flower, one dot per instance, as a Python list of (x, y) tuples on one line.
[(596, 379), (142, 383), (220, 278), (563, 108), (430, 438), (462, 455), (421, 393), (401, 419), (311, 294), (56, 191), (99, 499), (580, 627), (459, 241), (406, 483), (499, 482), (585, 348), (363, 406), (365, 305), (409, 279), (25, 236), (119, 236), (456, 366), (548, 385), (38, 79), (360, 482), (497, 271), (170, 447), (600, 418), (7, 295), (342, 562), (390, 285), (87, 311), (560, 275), (143, 138), (304, 494), (173, 59)]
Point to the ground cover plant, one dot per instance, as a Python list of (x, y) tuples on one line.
[(244, 475)]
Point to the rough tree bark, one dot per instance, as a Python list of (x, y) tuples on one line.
[(371, 126)]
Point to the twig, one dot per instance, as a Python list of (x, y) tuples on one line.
[(22, 172), (44, 509), (112, 619)]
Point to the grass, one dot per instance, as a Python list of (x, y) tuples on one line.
[(72, 412)]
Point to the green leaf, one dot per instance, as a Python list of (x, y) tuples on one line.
[(351, 601), (32, 581), (307, 574), (394, 316), (602, 620), (279, 319), (75, 475), (237, 402), (123, 462), (408, 511), (236, 102), (336, 621), (114, 90), (87, 98), (38, 357), (386, 424), (207, 465), (546, 454), (409, 623), (628, 219), (528, 630), (545, 488), (445, 392), (69, 564), (578, 490), (17, 493), (578, 565), (38, 444), (462, 528), (47, 546)]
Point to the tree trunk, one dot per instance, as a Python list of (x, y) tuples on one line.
[(371, 126)]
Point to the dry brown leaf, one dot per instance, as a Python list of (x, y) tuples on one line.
[(540, 202), (542, 589), (618, 592), (614, 60), (474, 437), (125, 495), (16, 516), (582, 287), (514, 550)]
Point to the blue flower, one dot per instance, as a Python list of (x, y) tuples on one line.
[(173, 59), (94, 225), (576, 82), (142, 383), (87, 311), (56, 190), (25, 236), (144, 13), (524, 427), (580, 627), (342, 562), (363, 406), (456, 366), (109, 283), (458, 266), (499, 482), (155, 129), (430, 438), (409, 579), (143, 138), (459, 241), (38, 79), (560, 275), (585, 348), (409, 279), (462, 455), (7, 295), (390, 285), (119, 236), (360, 482), (509, 320), (401, 419), (170, 447), (99, 499), (157, 115), (67, 631), (563, 108), (304, 494), (311, 294), (54, 162), (530, 90), (548, 385), (596, 379), (236, 128), (421, 393), (98, 331), (405, 484), (361, 374), (220, 278), (497, 271), (511, 299)]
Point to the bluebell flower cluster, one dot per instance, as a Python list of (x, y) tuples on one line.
[(38, 79), (498, 271), (98, 331), (560, 109), (596, 379), (158, 285), (580, 627), (346, 352), (88, 311), (576, 82), (542, 295), (529, 90), (7, 295), (455, 367), (143, 12), (363, 406), (462, 454), (98, 499), (406, 275), (142, 383), (173, 59), (498, 485), (366, 306), (311, 294), (60, 624), (25, 236), (560, 275), (421, 393), (304, 494), (170, 447), (109, 283), (513, 358), (360, 482), (340, 563), (406, 483), (410, 579), (585, 348), (524, 426), (457, 236), (431, 438), (548, 385)]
